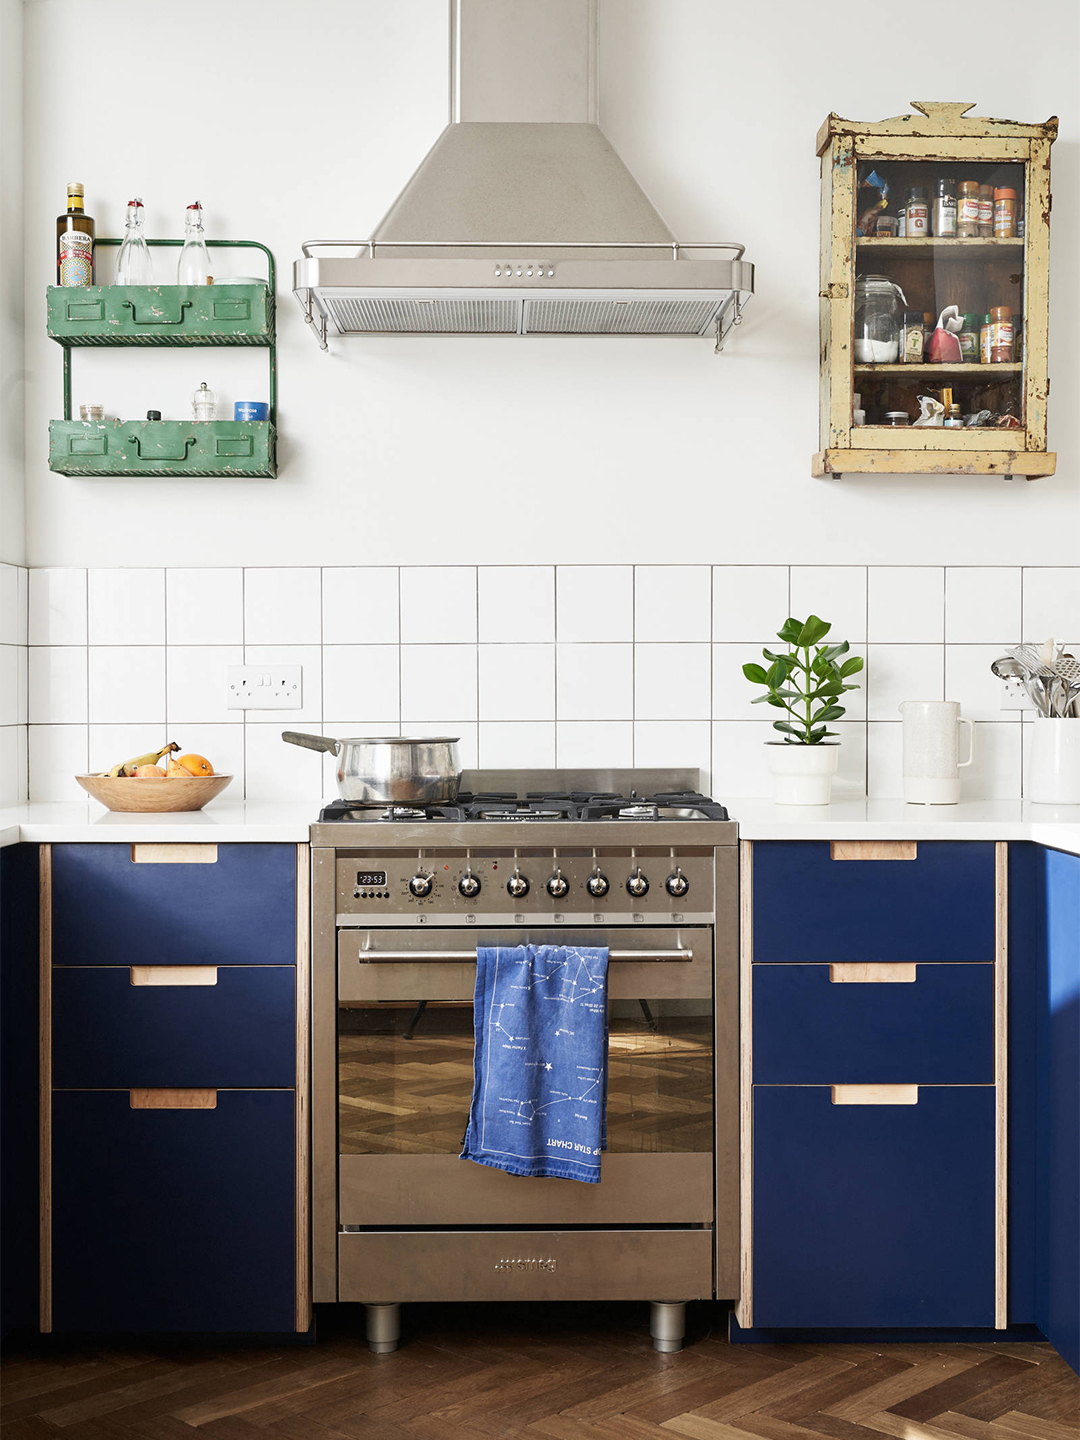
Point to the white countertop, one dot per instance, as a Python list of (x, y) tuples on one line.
[(1054, 825)]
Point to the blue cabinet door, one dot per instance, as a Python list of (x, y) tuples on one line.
[(109, 910), (809, 907), (173, 1219), (873, 1215), (108, 1032), (934, 1030)]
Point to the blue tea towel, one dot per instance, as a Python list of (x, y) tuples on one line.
[(540, 1061)]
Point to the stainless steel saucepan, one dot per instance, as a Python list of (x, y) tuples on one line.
[(394, 770)]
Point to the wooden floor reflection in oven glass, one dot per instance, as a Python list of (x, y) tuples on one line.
[(399, 1096)]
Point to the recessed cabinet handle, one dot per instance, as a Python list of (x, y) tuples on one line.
[(173, 974), (873, 850), (875, 1094), (873, 972), (173, 1099), (174, 854)]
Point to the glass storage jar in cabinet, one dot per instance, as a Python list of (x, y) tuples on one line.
[(945, 215)]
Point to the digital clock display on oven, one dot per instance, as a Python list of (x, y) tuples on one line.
[(371, 877)]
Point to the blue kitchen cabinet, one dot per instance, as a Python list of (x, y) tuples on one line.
[(109, 909), (168, 1219), (873, 1216), (809, 907)]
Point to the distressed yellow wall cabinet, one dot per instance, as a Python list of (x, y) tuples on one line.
[(978, 238)]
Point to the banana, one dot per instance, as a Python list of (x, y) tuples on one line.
[(127, 767)]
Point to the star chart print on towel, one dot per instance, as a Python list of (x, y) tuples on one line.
[(539, 1104)]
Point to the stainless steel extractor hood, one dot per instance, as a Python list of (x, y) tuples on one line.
[(522, 219)]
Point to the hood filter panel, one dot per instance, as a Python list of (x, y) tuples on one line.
[(379, 316), (619, 317)]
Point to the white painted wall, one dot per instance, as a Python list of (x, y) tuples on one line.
[(291, 121)]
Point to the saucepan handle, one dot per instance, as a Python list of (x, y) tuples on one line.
[(312, 742)]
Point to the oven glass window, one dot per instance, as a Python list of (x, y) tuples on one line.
[(405, 1076)]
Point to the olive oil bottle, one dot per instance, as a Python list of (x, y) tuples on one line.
[(74, 242)]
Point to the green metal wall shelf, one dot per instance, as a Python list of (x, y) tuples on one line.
[(169, 315)]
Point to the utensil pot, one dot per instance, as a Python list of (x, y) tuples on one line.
[(1055, 761)]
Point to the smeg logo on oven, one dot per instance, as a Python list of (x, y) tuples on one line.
[(526, 1264)]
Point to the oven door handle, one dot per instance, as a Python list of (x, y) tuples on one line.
[(386, 957)]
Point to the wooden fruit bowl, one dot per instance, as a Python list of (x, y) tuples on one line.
[(149, 795)]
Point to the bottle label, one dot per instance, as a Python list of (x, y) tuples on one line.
[(970, 210), (916, 220), (1003, 219), (1001, 335), (76, 258), (969, 346), (945, 217), (986, 210)]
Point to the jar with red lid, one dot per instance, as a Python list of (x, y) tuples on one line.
[(1001, 335), (1004, 213)]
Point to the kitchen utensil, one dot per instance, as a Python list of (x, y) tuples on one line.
[(1055, 762), (931, 751), (390, 770), (151, 795)]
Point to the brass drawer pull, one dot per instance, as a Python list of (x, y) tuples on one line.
[(873, 850), (173, 974), (875, 1094), (174, 854), (173, 1099), (870, 972)]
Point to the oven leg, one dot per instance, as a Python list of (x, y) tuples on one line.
[(408, 1033), (382, 1327), (667, 1325)]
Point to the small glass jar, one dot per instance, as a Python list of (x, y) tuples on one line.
[(984, 341), (1004, 214), (1001, 335), (911, 342), (969, 340), (953, 418), (897, 419), (918, 213), (877, 320), (986, 211), (967, 210), (945, 209), (92, 413)]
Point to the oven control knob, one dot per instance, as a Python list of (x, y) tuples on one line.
[(637, 885), (421, 884), (517, 885), (469, 885), (677, 884), (597, 884), (558, 885)]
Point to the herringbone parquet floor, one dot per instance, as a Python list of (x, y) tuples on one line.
[(544, 1372)]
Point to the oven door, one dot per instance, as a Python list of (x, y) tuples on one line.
[(405, 1080)]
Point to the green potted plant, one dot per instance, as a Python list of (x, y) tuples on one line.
[(806, 683)]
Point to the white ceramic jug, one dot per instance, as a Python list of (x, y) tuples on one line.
[(932, 761)]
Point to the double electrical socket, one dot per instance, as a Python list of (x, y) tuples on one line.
[(264, 687), (1016, 697)]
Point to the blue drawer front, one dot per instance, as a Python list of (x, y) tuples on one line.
[(809, 907), (173, 1219), (936, 1030), (873, 1215), (107, 910), (239, 1032)]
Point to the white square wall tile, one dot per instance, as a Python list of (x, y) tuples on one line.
[(517, 682), (982, 604), (905, 604), (283, 606), (740, 760), (466, 731), (969, 679), (1052, 603), (126, 607), (438, 603), (9, 684), (995, 773), (127, 684), (672, 602), (672, 682), (895, 673), (849, 782), (582, 743), (9, 765), (196, 684), (438, 680), (13, 583), (594, 603), (361, 680), (516, 745), (205, 607), (57, 684), (274, 771), (750, 602), (57, 607), (836, 593), (594, 682), (57, 753), (674, 744), (516, 603), (223, 746), (309, 658), (112, 744), (884, 760), (360, 605)]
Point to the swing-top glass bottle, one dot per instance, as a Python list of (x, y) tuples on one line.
[(133, 264), (194, 264)]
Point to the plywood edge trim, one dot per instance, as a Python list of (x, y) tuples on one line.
[(744, 1309), (1001, 1095), (303, 1089), (45, 1088)]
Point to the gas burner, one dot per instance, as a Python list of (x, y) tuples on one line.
[(503, 807)]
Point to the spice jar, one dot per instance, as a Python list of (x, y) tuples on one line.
[(1019, 226), (986, 211), (969, 340), (967, 210), (984, 341), (953, 419), (1001, 335), (1018, 336), (911, 341), (897, 418), (901, 223), (1004, 214), (885, 225), (918, 213), (945, 210)]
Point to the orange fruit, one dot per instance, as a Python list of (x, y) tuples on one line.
[(195, 764)]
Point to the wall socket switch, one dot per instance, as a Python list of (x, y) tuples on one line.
[(1015, 697), (264, 687)]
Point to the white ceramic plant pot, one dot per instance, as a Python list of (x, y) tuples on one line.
[(1055, 762), (802, 774)]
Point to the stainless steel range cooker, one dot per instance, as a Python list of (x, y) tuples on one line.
[(638, 861)]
